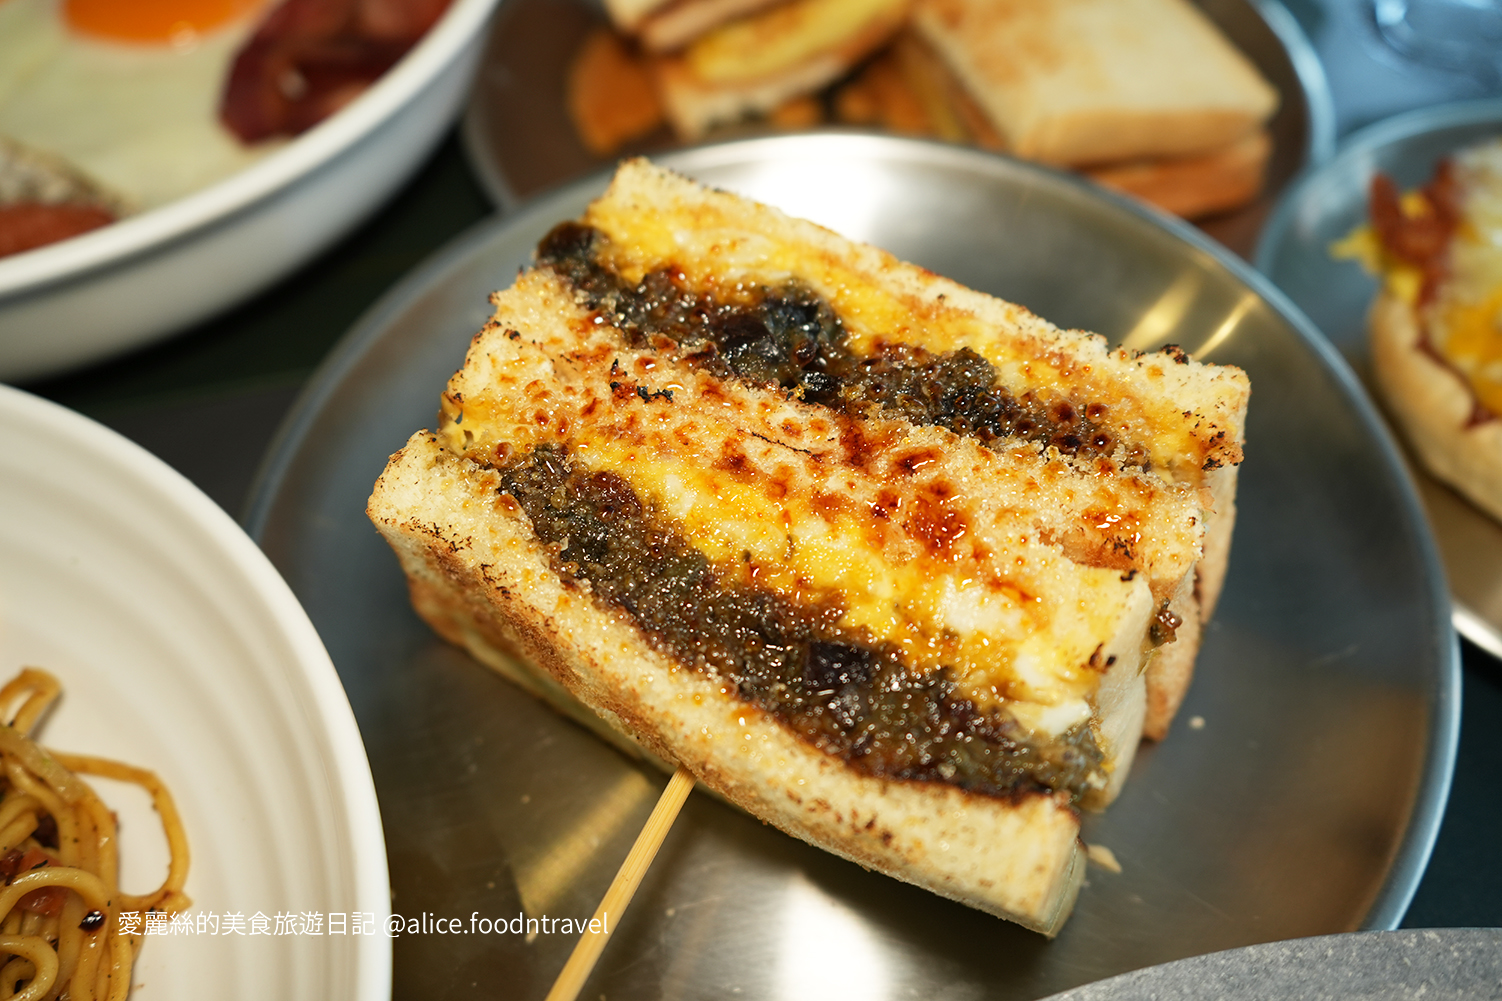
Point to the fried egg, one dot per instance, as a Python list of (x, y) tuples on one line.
[(126, 92)]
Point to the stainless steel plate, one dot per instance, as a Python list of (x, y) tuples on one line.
[(1295, 253), (1305, 804), (520, 140), (1443, 964)]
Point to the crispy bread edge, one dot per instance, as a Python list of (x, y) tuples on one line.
[(1171, 669), (1195, 185)]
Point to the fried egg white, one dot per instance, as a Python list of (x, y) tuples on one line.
[(127, 92)]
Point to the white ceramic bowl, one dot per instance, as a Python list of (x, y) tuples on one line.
[(181, 650), (151, 275)]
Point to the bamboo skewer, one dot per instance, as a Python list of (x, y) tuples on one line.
[(571, 980)]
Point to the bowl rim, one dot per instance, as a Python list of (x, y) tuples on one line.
[(69, 259), (327, 708)]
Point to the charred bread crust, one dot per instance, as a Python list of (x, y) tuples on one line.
[(1435, 406), (480, 576)]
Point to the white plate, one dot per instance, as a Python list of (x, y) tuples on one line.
[(180, 649), (148, 276)]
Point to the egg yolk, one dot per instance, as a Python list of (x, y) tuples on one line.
[(152, 21)]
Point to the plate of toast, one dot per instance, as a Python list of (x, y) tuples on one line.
[(729, 478), (1205, 110), (1401, 322)]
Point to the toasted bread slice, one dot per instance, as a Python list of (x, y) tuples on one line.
[(904, 643), (1435, 405), (1196, 185), (908, 89), (675, 25), (1095, 81), (753, 65), (1436, 327)]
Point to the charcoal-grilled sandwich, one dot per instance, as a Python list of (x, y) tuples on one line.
[(896, 566)]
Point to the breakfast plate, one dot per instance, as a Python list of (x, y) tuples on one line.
[(520, 140), (180, 650), (1326, 702), (154, 273), (1295, 253)]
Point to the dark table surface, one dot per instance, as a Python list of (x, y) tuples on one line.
[(209, 400)]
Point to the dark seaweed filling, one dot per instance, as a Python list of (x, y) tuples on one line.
[(833, 687), (788, 336)]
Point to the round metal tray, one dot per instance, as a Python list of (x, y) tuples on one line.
[(1306, 803), (1294, 252)]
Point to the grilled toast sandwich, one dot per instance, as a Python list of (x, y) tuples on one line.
[(891, 564)]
